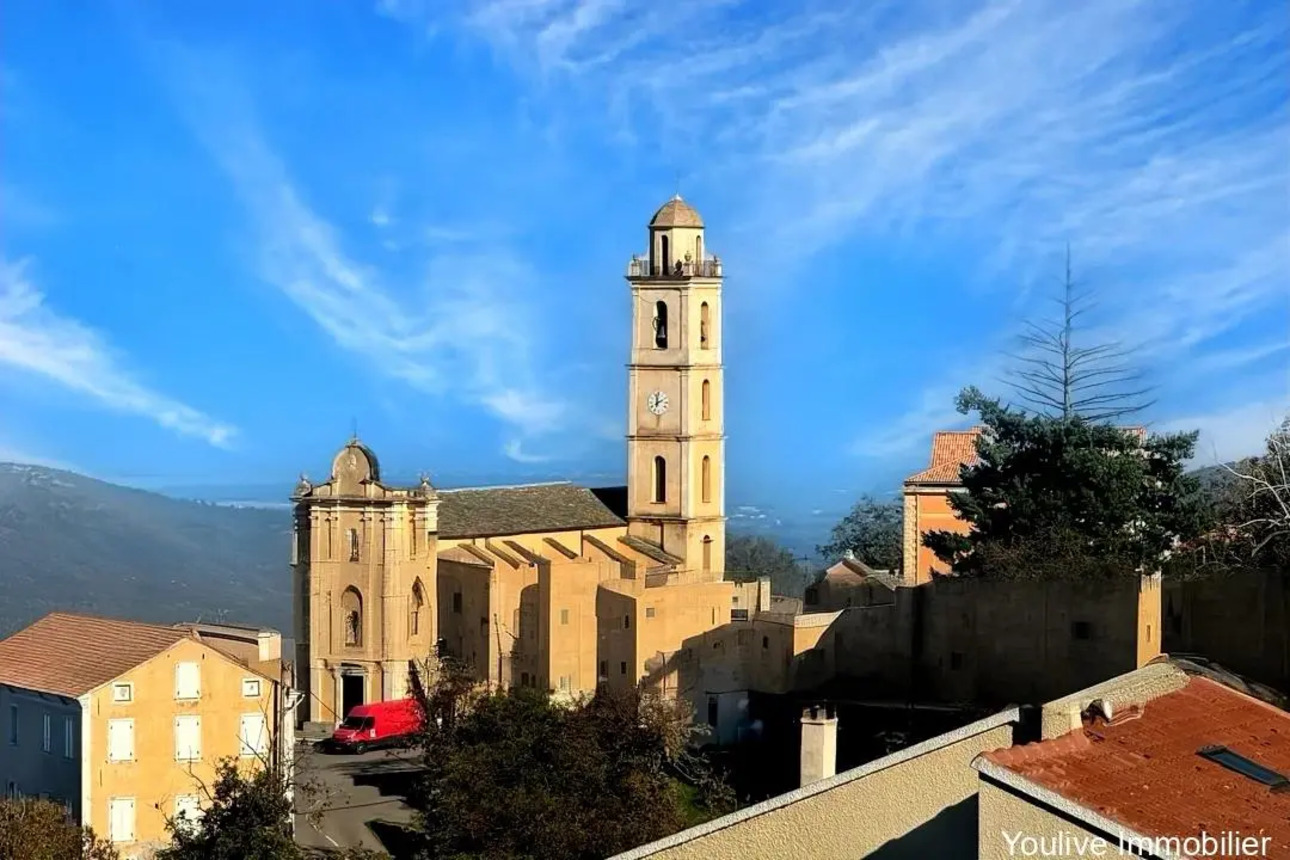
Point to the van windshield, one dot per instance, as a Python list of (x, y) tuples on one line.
[(353, 722)]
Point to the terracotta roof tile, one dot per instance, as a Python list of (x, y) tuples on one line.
[(951, 450), (1143, 769), (69, 655)]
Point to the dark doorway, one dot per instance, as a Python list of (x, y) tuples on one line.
[(351, 693)]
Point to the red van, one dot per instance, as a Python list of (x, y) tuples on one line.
[(380, 724)]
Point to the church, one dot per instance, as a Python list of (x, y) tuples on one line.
[(553, 586)]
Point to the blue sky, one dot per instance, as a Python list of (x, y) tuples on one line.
[(231, 230)]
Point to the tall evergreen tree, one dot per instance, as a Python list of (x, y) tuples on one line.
[(1053, 497)]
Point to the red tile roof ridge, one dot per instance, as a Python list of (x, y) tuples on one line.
[(1072, 741), (181, 628)]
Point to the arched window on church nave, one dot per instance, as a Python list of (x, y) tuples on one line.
[(352, 537), (705, 400), (704, 323), (660, 480), (705, 478), (418, 606), (660, 325), (707, 553), (351, 610)]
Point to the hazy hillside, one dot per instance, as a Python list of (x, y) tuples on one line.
[(71, 542)]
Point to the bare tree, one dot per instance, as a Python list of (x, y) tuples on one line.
[(1262, 509), (1061, 377)]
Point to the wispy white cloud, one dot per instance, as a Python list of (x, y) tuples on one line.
[(462, 328), (37, 340), (514, 449), (1151, 138)]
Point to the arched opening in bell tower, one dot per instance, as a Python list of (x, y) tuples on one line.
[(660, 325), (665, 253), (707, 553), (660, 480), (704, 325), (705, 400), (705, 479)]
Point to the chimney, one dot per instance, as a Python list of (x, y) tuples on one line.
[(819, 743), (269, 644), (763, 594), (849, 555)]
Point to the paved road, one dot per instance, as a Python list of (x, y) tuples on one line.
[(344, 794)]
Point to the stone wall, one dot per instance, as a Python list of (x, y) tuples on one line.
[(1240, 621)]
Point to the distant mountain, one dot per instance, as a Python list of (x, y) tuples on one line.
[(75, 543)]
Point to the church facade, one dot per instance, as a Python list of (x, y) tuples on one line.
[(554, 586)]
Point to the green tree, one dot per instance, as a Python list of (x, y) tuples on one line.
[(1053, 497), (871, 531), (246, 816), (514, 774), (41, 830), (750, 557)]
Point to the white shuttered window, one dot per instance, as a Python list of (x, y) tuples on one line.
[(188, 738), (188, 811), (121, 819), (255, 739), (120, 740), (188, 680)]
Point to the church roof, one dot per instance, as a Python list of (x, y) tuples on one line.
[(676, 213), (526, 509)]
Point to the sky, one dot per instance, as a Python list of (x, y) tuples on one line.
[(232, 233)]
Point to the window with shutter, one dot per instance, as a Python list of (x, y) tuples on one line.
[(69, 737), (188, 681), (47, 737), (188, 811), (120, 740), (121, 819), (188, 738), (254, 735)]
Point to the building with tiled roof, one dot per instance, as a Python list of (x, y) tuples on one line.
[(1162, 757), (1192, 768), (926, 496), (550, 585), (926, 500), (123, 722)]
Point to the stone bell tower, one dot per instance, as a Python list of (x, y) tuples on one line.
[(675, 435)]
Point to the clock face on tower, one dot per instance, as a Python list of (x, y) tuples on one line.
[(657, 403)]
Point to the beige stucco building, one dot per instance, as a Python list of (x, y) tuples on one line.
[(554, 586), (124, 722)]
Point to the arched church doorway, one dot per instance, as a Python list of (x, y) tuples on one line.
[(353, 688)]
